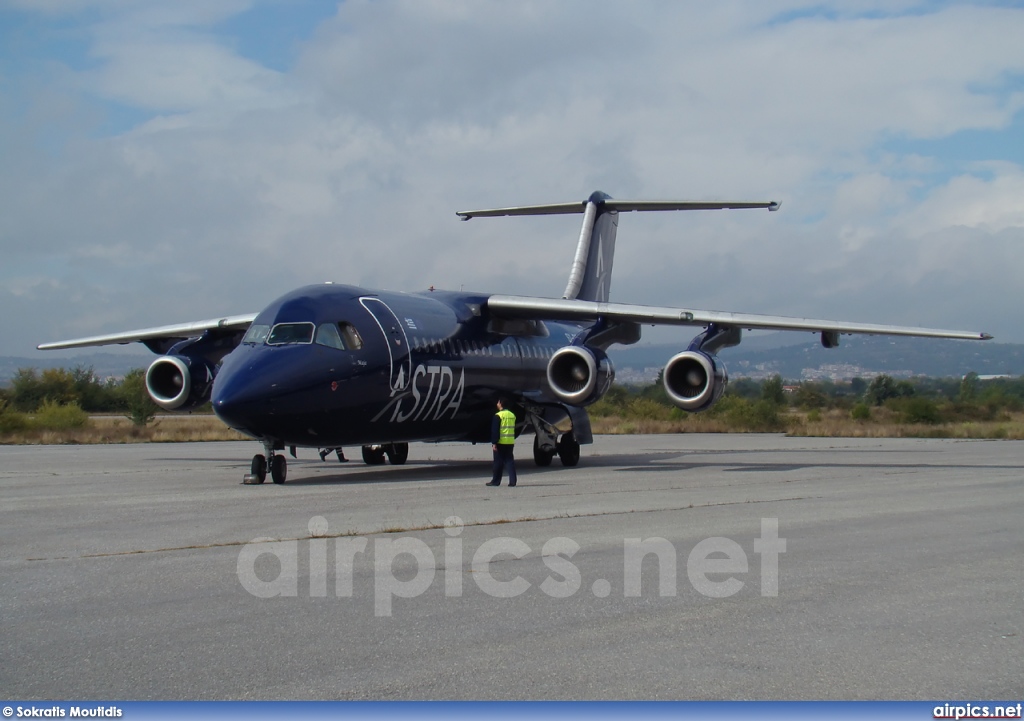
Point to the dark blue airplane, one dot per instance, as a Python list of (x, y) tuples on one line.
[(328, 366)]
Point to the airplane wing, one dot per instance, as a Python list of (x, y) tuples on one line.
[(165, 335), (581, 310)]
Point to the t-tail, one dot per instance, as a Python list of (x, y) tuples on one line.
[(590, 277)]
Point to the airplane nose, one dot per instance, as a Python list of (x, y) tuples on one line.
[(257, 392), (239, 400)]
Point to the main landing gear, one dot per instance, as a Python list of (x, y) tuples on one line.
[(547, 443), (276, 464), (396, 453), (545, 447)]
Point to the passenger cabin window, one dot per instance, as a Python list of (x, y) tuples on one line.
[(342, 336), (289, 333), (519, 327), (256, 334)]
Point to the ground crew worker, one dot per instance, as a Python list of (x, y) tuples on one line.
[(503, 438)]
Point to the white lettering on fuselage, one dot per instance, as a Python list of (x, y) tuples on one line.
[(432, 394)]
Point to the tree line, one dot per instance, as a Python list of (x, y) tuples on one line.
[(762, 404), (65, 398)]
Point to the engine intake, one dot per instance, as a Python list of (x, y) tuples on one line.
[(179, 383), (694, 380), (579, 376)]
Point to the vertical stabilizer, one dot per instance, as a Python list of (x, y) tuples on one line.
[(591, 275)]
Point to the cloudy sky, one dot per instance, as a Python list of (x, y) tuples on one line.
[(170, 161)]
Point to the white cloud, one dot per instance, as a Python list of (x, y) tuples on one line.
[(241, 182), (991, 204)]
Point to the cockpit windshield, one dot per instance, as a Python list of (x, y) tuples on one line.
[(287, 333), (256, 334), (342, 336)]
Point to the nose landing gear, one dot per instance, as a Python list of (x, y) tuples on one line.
[(277, 465)]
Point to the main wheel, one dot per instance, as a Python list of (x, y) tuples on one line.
[(568, 450), (540, 456), (278, 469), (258, 469), (373, 455), (398, 453)]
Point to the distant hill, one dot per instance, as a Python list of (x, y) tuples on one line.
[(856, 356)]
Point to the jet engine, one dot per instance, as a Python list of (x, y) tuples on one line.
[(179, 383), (579, 376), (694, 380)]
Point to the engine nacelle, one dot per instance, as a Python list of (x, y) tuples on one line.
[(579, 376), (694, 380), (179, 383)]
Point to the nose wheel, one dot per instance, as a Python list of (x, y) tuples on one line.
[(258, 470), (278, 469), (277, 465)]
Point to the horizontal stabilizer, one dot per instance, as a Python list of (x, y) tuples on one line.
[(590, 276), (622, 206)]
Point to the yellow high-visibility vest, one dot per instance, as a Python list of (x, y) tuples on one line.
[(507, 429)]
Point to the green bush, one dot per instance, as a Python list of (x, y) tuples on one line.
[(744, 388), (53, 416), (11, 421), (31, 388), (810, 396), (140, 408), (861, 412), (648, 409), (883, 388), (916, 410), (773, 391), (759, 416)]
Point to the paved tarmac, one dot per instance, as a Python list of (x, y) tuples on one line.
[(132, 572)]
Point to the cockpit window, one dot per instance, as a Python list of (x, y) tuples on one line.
[(285, 333), (256, 334), (342, 336), (328, 335), (353, 340)]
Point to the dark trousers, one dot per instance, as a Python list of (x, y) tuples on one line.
[(503, 460)]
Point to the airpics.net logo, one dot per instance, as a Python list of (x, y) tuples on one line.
[(714, 566)]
